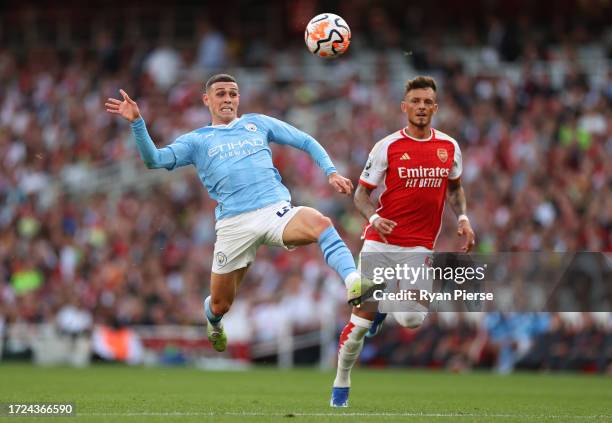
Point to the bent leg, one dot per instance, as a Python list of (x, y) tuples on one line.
[(413, 315), (308, 226), (223, 289), (410, 319), (305, 227)]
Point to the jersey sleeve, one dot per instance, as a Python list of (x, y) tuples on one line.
[(153, 157), (457, 168), (282, 133), (376, 166), (182, 148)]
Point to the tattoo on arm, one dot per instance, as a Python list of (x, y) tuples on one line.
[(456, 197), (363, 202)]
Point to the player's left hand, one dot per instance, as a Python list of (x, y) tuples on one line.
[(341, 184), (464, 228)]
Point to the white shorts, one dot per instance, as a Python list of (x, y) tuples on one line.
[(238, 237), (388, 256)]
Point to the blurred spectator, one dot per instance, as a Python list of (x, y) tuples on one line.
[(211, 48), (73, 319), (164, 64)]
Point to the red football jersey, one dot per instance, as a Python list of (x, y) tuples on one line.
[(414, 173)]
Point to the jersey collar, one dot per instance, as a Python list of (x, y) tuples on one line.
[(229, 125), (405, 133)]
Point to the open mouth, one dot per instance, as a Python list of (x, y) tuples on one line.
[(226, 109)]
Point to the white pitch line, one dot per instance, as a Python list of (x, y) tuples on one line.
[(259, 414)]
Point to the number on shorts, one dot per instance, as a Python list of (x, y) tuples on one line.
[(283, 211)]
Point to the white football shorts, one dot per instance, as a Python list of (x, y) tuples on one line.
[(238, 237), (381, 255)]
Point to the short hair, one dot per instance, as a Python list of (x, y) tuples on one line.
[(420, 82), (220, 77)]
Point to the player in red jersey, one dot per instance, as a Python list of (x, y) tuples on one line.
[(417, 167)]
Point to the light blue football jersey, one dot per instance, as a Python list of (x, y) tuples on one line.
[(234, 161)]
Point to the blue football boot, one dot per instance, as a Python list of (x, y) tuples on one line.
[(339, 397)]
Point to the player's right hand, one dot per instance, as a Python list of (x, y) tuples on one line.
[(127, 109), (384, 227), (341, 184)]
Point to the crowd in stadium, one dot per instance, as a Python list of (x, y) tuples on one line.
[(536, 175), (505, 342)]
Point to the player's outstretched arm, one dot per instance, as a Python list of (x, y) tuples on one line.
[(367, 208), (283, 133), (456, 199), (153, 157)]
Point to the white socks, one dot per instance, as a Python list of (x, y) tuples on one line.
[(349, 347), (351, 277)]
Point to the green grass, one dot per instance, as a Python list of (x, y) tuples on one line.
[(117, 393)]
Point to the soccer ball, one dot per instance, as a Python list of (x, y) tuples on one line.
[(327, 35)]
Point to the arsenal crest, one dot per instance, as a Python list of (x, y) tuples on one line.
[(442, 155)]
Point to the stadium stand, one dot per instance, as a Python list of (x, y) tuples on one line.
[(84, 224)]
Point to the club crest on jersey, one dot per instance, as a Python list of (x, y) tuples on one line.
[(442, 155), (250, 127)]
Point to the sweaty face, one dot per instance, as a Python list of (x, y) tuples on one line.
[(419, 106), (222, 99)]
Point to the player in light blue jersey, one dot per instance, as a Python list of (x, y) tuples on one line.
[(234, 162)]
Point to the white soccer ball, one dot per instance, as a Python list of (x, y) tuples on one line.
[(327, 35)]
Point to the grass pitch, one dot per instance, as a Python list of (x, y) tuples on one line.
[(116, 393)]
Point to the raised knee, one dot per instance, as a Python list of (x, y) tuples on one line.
[(320, 223), (220, 307), (410, 319)]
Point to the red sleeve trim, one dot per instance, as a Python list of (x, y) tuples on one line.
[(365, 184)]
